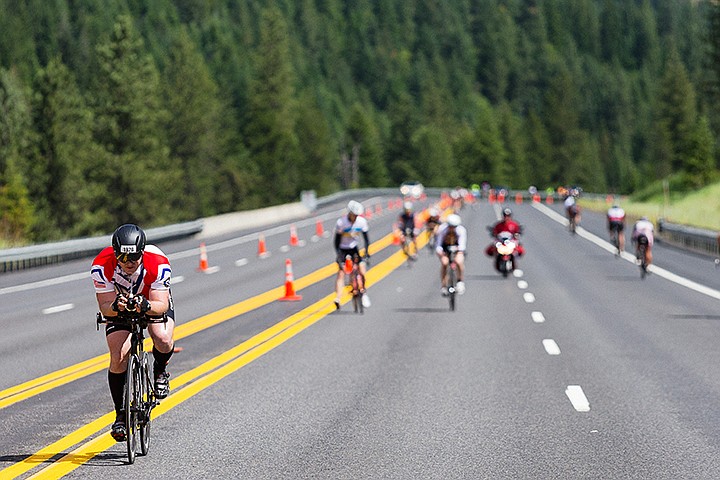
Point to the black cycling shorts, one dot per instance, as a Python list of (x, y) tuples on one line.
[(617, 226), (344, 252)]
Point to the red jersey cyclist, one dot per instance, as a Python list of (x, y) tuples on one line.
[(347, 230), (131, 268)]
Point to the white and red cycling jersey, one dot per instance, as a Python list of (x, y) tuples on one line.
[(153, 272), (616, 214)]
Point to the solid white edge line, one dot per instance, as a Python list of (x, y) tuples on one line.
[(59, 308), (551, 347), (660, 272), (577, 398)]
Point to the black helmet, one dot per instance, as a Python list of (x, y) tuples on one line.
[(128, 242)]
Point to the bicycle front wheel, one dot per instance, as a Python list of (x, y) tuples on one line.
[(148, 402), (132, 397), (451, 288)]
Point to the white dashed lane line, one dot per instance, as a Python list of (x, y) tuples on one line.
[(241, 262), (59, 308), (577, 398), (538, 317), (551, 347), (528, 297), (522, 285)]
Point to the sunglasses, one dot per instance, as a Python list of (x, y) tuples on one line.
[(129, 257)]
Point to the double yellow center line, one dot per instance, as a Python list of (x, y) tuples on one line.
[(196, 380)]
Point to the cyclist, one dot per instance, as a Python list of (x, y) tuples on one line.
[(132, 276), (616, 225), (433, 221), (406, 225), (571, 208), (347, 230), (507, 224), (452, 233), (643, 231)]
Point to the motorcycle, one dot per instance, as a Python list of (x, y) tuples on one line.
[(505, 248)]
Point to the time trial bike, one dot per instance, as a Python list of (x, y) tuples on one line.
[(139, 393)]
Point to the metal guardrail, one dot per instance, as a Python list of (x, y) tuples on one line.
[(693, 239), (49, 253), (697, 240)]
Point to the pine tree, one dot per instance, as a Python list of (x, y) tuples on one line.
[(196, 132), (68, 160), (270, 126), (143, 183), (17, 215)]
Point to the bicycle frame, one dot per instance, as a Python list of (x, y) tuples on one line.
[(451, 275), (139, 389), (357, 285)]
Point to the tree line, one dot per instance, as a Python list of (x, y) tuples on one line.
[(154, 112)]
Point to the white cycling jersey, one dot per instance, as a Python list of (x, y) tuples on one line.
[(461, 237), (349, 232), (644, 227)]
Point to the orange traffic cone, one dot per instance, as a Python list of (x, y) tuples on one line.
[(294, 242), (378, 209), (203, 258), (290, 295), (549, 199), (262, 250), (368, 214), (396, 237), (319, 231), (518, 198)]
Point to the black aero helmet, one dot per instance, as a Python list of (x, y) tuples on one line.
[(128, 242)]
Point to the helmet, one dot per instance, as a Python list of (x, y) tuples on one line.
[(355, 208), (128, 242), (454, 220), (407, 206), (433, 212), (507, 212)]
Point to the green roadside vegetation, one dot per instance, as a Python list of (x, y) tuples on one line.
[(695, 207)]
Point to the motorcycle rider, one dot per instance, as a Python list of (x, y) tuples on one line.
[(507, 224)]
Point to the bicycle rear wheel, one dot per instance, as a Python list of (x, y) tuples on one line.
[(132, 396), (147, 394), (451, 288)]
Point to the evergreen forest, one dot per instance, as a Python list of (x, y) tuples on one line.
[(160, 111)]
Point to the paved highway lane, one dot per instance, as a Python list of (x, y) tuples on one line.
[(576, 369)]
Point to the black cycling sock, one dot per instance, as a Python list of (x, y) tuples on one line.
[(161, 360), (116, 381)]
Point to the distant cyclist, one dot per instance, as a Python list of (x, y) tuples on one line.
[(347, 230), (572, 210), (130, 268), (616, 225), (644, 233), (406, 225), (452, 233), (433, 222)]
